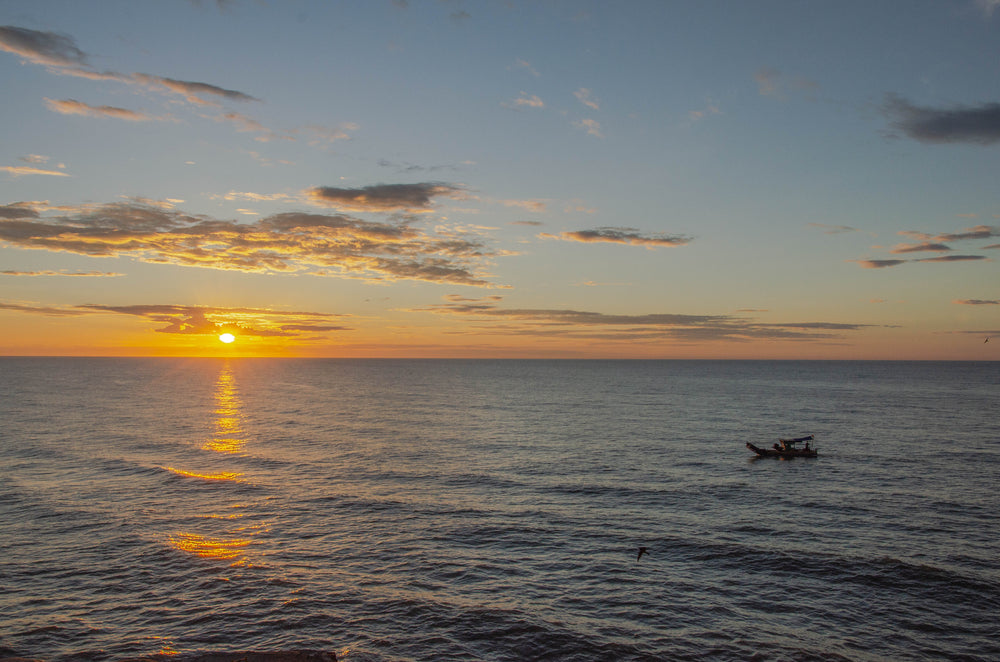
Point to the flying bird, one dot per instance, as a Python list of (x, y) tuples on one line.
[(642, 550)]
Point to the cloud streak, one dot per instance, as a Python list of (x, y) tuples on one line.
[(74, 107), (19, 171), (936, 244), (105, 274), (959, 124), (630, 236), (291, 242), (583, 325), (62, 56)]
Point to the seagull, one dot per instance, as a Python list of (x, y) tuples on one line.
[(642, 550), (986, 341)]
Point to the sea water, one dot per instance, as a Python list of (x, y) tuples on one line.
[(492, 510)]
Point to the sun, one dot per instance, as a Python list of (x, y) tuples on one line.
[(227, 338)]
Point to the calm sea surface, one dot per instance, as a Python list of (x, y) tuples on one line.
[(491, 510)]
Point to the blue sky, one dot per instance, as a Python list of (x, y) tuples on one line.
[(453, 178)]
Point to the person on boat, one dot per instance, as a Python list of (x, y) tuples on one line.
[(777, 447), (807, 445)]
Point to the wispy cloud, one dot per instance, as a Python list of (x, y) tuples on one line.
[(582, 325), (537, 206), (934, 243), (74, 107), (62, 56), (988, 6), (833, 229), (630, 236), (773, 83), (978, 302), (88, 274), (410, 198), (318, 244), (526, 66), (45, 48), (959, 124), (592, 127), (526, 101), (18, 171), (585, 96), (882, 264)]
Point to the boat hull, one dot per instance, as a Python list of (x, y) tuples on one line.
[(789, 452)]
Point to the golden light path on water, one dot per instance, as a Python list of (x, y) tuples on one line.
[(228, 438)]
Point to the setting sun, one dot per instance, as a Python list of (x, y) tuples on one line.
[(227, 338)]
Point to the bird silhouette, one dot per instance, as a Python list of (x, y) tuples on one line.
[(642, 550)]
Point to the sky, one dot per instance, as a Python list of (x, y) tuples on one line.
[(461, 179)]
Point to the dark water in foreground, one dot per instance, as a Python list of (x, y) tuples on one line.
[(491, 510)]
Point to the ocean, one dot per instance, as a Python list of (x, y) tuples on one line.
[(437, 510)]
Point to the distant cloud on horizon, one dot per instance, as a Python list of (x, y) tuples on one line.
[(588, 325), (203, 320)]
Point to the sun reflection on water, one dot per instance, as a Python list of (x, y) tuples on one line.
[(229, 437), (231, 543), (221, 475)]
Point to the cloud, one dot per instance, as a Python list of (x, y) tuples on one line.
[(592, 127), (523, 64), (879, 264), (324, 136), (33, 158), (207, 320), (533, 101), (969, 124), (988, 6), (411, 198), (537, 206), (581, 325), (927, 242), (978, 302), (74, 107), (774, 83), (630, 236), (100, 274), (882, 264), (202, 320), (317, 244), (18, 171), (192, 91), (19, 210), (61, 54), (953, 258), (833, 229), (46, 48), (917, 248), (583, 95), (49, 311)]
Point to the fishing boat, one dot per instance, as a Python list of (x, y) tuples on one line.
[(786, 448)]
